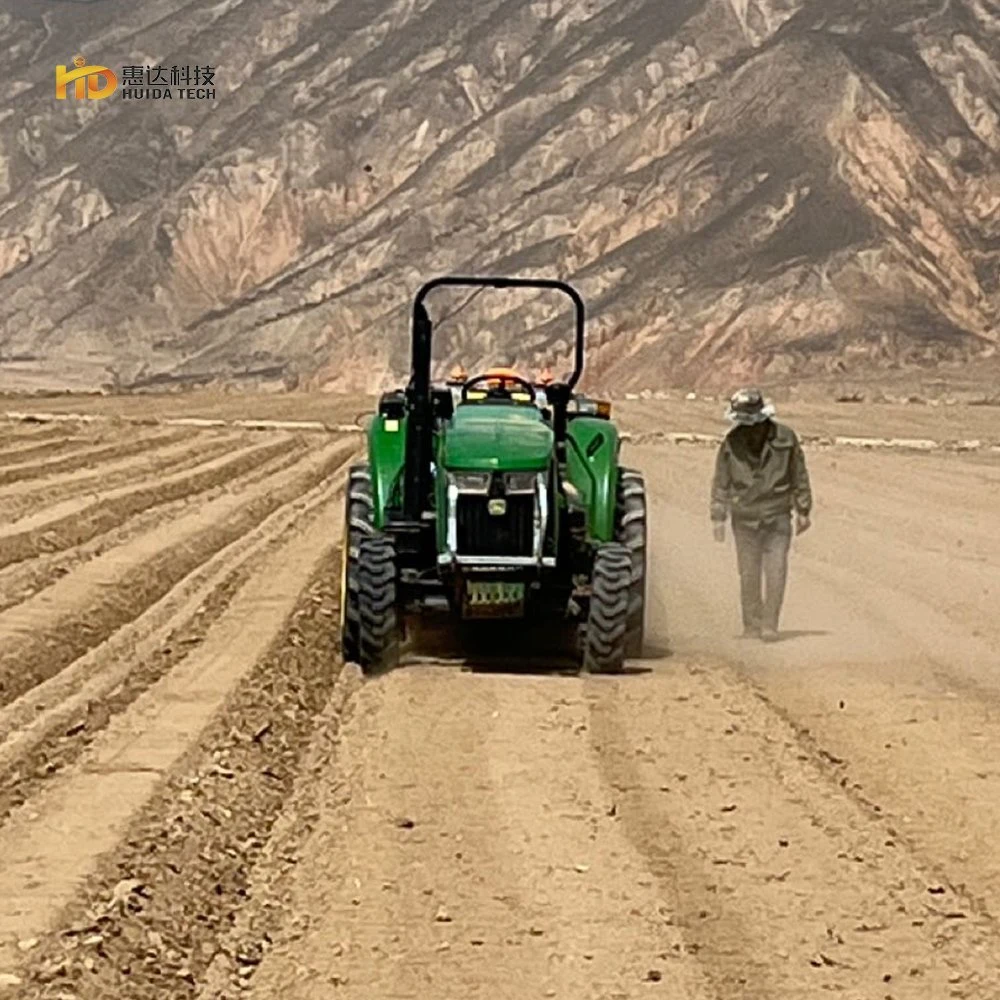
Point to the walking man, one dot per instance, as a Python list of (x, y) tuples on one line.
[(760, 480)]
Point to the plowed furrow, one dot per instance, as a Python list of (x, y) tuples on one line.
[(21, 581), (17, 432), (41, 636), (19, 454), (47, 729), (784, 883), (464, 846), (181, 783), (131, 443), (79, 519), (18, 500)]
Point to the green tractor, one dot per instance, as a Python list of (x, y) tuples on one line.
[(498, 499)]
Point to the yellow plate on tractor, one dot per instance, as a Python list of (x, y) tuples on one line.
[(493, 599)]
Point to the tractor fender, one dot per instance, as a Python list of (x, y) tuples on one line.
[(386, 457), (593, 446)]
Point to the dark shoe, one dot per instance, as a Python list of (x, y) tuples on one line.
[(751, 632), (768, 635)]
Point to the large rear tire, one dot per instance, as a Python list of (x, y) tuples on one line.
[(358, 524), (607, 621), (379, 632), (631, 531)]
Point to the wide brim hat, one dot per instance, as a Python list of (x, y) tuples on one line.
[(747, 407)]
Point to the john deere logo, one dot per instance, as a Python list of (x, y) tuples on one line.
[(93, 82), (497, 507)]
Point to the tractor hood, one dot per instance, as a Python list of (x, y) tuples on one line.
[(483, 436)]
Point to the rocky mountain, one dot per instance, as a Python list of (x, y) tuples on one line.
[(740, 188)]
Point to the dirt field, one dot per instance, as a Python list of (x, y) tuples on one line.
[(941, 417), (197, 800)]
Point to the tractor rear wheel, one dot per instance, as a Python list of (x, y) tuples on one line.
[(379, 632), (630, 531), (358, 524), (604, 649)]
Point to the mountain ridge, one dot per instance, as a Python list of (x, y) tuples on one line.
[(740, 188)]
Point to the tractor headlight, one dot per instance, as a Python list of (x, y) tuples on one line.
[(471, 482), (520, 482)]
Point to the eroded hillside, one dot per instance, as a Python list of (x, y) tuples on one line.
[(739, 187)]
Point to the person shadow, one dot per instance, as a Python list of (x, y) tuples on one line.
[(800, 633), (786, 635)]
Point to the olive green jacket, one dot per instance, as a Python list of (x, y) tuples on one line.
[(758, 489)]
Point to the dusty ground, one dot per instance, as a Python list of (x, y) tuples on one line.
[(197, 800)]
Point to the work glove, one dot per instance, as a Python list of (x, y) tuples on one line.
[(802, 523), (719, 530)]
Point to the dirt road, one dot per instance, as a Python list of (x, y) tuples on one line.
[(727, 820)]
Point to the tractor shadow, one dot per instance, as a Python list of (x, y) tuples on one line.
[(511, 647)]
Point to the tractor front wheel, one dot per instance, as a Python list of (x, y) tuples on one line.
[(605, 643), (379, 632)]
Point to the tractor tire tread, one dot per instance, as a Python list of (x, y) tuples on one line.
[(379, 619), (607, 621), (359, 515), (631, 532)]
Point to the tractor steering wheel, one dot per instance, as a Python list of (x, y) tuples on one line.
[(504, 380)]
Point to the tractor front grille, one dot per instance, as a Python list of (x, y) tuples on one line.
[(481, 533)]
